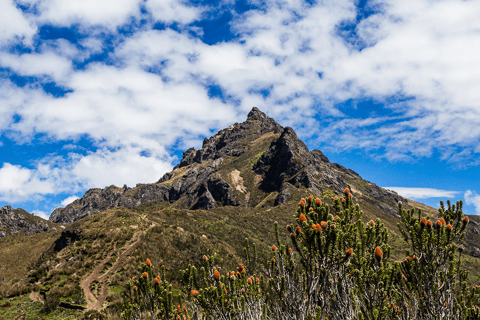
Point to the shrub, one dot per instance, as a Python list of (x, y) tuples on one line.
[(335, 267)]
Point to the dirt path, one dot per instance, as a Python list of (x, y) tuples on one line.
[(95, 301)]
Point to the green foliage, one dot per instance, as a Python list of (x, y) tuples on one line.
[(335, 267)]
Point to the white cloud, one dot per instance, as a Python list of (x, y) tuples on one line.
[(37, 64), (472, 198), (41, 214), (69, 200), (173, 11), (18, 184), (86, 13), (13, 25), (422, 193)]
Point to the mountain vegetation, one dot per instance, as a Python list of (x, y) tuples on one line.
[(246, 182)]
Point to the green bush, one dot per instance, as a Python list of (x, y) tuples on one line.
[(334, 267)]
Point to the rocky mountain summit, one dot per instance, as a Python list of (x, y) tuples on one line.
[(256, 163), (13, 221)]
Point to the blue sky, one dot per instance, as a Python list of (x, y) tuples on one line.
[(95, 93)]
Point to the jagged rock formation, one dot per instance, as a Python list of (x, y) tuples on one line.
[(14, 221), (254, 163)]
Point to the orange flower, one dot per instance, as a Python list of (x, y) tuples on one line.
[(378, 253), (302, 204), (445, 303), (258, 280), (157, 280), (240, 266), (414, 257), (310, 209), (179, 309), (336, 217), (194, 292), (335, 198), (465, 220), (274, 248), (443, 221), (449, 227), (318, 202), (423, 222), (205, 257), (310, 199), (243, 290), (372, 223), (349, 252), (347, 191), (149, 263), (343, 200), (133, 278), (298, 230), (319, 228), (438, 224), (350, 195), (323, 224), (408, 258), (314, 226), (216, 274), (302, 218), (243, 271), (429, 223), (290, 250), (424, 294), (145, 275), (134, 287), (273, 259), (289, 228), (249, 281)]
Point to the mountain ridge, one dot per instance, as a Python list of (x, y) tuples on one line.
[(256, 162)]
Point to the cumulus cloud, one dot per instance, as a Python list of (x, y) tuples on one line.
[(86, 13), (17, 183), (41, 214), (472, 198), (173, 11), (13, 25), (69, 200), (423, 193)]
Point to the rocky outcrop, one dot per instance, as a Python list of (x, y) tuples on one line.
[(200, 180), (13, 221), (232, 140)]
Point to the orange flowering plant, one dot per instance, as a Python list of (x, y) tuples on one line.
[(149, 297)]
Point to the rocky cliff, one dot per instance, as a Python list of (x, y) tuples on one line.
[(254, 163), (18, 221)]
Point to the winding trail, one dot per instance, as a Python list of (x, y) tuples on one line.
[(95, 300)]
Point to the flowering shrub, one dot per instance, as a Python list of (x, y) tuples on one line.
[(149, 297), (334, 266)]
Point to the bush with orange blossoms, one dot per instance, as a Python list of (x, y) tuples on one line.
[(325, 279)]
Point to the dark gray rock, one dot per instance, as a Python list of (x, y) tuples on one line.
[(14, 221)]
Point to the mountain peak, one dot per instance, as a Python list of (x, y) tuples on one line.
[(251, 164), (256, 114)]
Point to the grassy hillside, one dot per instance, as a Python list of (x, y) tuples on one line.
[(106, 249)]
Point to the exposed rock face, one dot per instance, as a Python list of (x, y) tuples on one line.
[(258, 147), (14, 221)]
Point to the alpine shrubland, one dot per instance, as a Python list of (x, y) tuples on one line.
[(333, 266)]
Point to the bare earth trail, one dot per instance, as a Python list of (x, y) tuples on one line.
[(95, 301)]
